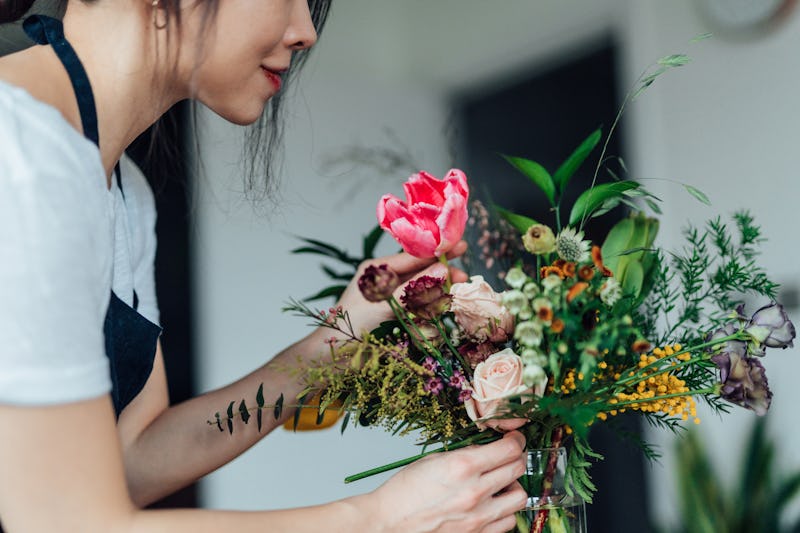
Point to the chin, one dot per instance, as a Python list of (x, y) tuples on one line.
[(243, 114)]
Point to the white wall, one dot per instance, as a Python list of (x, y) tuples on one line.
[(727, 123), (723, 123)]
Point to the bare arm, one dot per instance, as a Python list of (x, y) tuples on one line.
[(80, 477), (166, 448)]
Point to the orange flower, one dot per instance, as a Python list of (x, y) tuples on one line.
[(641, 346), (597, 259), (569, 269), (547, 270), (557, 326), (575, 290), (586, 272), (545, 314)]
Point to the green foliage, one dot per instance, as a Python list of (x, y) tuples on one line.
[(348, 262), (709, 276), (757, 505), (538, 175), (568, 168)]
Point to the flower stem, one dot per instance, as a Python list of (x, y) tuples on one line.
[(419, 340), (447, 281), (476, 439)]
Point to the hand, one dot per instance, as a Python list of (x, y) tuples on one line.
[(366, 315), (468, 490)]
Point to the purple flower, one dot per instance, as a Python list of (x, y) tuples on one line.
[(433, 386), (378, 283), (430, 364), (457, 380), (426, 297), (733, 346), (770, 327), (743, 381), (464, 395)]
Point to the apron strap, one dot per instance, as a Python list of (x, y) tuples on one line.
[(47, 30)]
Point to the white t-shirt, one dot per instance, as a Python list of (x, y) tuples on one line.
[(65, 241)]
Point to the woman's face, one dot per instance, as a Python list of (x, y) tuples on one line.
[(237, 62)]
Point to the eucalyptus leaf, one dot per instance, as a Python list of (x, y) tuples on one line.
[(536, 173), (244, 412), (568, 168), (278, 407), (594, 197), (230, 417)]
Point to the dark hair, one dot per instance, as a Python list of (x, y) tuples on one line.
[(262, 152)]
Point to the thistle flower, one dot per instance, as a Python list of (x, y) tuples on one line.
[(570, 246), (539, 239), (426, 297), (378, 283), (770, 327), (743, 382)]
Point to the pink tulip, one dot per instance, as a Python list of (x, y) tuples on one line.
[(433, 218)]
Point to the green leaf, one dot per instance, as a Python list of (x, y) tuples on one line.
[(334, 291), (702, 37), (278, 407), (260, 396), (331, 273), (674, 60), (616, 242), (230, 418), (244, 413), (575, 160), (537, 174), (345, 421), (697, 193), (593, 198), (300, 402), (371, 241), (654, 206), (634, 277), (520, 222)]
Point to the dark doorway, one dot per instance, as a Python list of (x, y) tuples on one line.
[(544, 117)]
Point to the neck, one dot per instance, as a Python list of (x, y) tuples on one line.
[(119, 47)]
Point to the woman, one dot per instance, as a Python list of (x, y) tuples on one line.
[(76, 248)]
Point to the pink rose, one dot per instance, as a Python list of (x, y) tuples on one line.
[(433, 218), (479, 311), (495, 379)]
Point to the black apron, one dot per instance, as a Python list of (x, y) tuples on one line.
[(130, 338)]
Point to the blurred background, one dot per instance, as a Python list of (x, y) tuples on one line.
[(395, 87)]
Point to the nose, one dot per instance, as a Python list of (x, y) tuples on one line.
[(301, 33)]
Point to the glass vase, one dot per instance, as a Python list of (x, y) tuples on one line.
[(550, 508)]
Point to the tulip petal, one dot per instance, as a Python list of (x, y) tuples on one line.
[(423, 187), (415, 241)]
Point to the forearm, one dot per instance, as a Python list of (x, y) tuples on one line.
[(179, 446)]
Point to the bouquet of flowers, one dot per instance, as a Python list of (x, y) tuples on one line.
[(581, 332)]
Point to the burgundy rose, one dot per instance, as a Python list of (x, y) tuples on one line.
[(426, 298), (378, 283)]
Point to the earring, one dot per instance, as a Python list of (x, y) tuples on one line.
[(156, 25)]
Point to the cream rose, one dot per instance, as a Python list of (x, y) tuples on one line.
[(494, 380), (479, 311)]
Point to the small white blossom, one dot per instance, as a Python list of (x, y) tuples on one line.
[(516, 278), (610, 292), (531, 290), (529, 333), (551, 282), (570, 246), (526, 313), (535, 377), (514, 301), (532, 356)]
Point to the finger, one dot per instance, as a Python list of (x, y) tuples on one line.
[(500, 509), (509, 523), (499, 479), (404, 263), (497, 453)]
